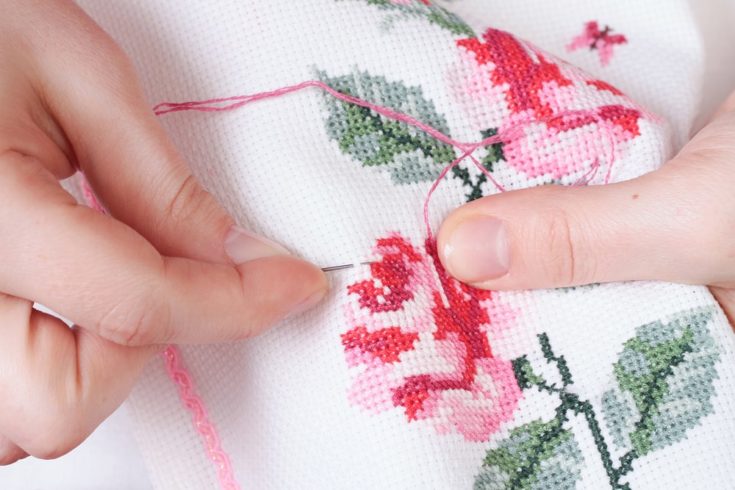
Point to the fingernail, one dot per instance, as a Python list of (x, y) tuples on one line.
[(243, 246), (308, 303), (477, 250)]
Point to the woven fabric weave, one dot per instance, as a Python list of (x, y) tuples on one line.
[(405, 378)]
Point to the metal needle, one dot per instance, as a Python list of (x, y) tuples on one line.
[(333, 268)]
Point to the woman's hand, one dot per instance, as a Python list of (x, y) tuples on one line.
[(676, 224), (168, 265)]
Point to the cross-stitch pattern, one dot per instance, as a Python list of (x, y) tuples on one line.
[(420, 342), (410, 155), (664, 376), (424, 9), (501, 82), (595, 39), (409, 315), (404, 378)]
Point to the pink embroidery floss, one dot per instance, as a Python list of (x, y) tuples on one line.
[(202, 423), (237, 101), (175, 369), (511, 133), (179, 375)]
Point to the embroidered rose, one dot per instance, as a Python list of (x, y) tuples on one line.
[(420, 342), (570, 122)]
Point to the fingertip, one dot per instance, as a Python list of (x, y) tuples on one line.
[(243, 246), (281, 286), (476, 248)]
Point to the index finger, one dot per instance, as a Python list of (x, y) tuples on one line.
[(103, 275)]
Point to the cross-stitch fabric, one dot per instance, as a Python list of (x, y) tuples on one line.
[(405, 378)]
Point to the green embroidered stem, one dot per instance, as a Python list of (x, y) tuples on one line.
[(626, 464), (664, 377), (475, 187), (494, 154), (561, 363), (613, 474), (571, 402)]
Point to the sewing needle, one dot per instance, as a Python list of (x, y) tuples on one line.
[(333, 268)]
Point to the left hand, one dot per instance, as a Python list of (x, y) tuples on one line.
[(676, 224)]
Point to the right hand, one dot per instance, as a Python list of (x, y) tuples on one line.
[(168, 266)]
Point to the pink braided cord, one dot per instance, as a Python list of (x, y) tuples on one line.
[(202, 424), (177, 372), (192, 402)]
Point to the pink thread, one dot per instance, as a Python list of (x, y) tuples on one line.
[(189, 398), (237, 101), (203, 425), (176, 371)]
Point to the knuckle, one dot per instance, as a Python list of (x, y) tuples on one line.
[(189, 201), (562, 265), (142, 319), (185, 197)]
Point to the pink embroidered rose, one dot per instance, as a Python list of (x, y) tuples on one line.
[(568, 122), (420, 342)]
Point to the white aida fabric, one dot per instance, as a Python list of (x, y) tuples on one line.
[(404, 378)]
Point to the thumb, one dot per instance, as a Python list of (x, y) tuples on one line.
[(650, 228)]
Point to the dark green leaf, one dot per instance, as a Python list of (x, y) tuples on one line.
[(407, 152)]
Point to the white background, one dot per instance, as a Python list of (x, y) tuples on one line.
[(109, 458)]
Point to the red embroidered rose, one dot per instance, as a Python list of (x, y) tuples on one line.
[(570, 121), (392, 277), (424, 346)]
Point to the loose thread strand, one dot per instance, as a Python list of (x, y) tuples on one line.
[(191, 401), (179, 375), (468, 149)]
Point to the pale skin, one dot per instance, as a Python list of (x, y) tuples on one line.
[(676, 224), (167, 266), (170, 266)]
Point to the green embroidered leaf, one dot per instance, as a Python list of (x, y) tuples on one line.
[(665, 378), (408, 153), (449, 21), (436, 15), (525, 376), (539, 456)]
